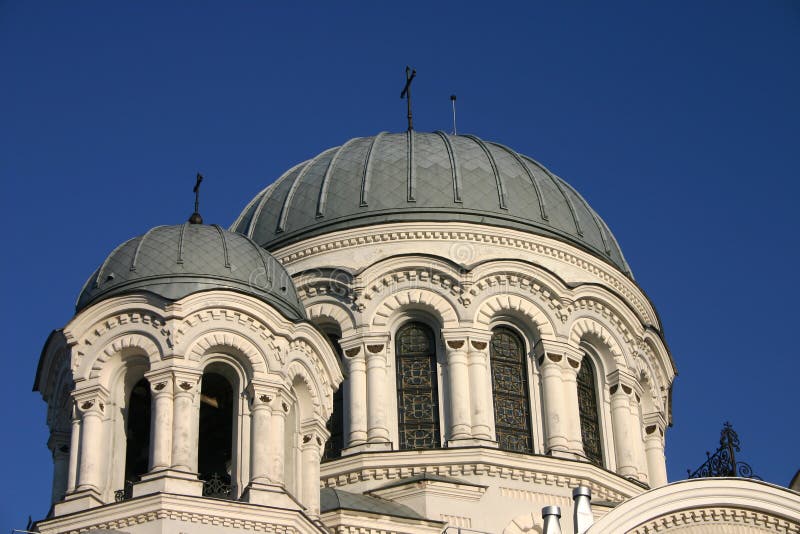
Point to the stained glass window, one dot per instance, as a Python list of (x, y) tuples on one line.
[(417, 388), (335, 425), (510, 391), (590, 420)]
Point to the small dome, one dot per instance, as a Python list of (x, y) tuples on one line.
[(176, 261), (415, 177)]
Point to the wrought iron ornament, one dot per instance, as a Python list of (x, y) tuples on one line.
[(218, 486), (723, 462), (417, 388)]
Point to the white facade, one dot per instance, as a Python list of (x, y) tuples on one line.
[(362, 285)]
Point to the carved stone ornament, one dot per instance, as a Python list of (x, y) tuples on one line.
[(306, 438), (86, 405), (554, 357), (479, 345), (374, 349), (160, 386), (575, 364), (456, 344), (265, 398), (285, 407), (186, 386), (352, 352), (650, 429), (319, 440), (626, 389), (613, 389)]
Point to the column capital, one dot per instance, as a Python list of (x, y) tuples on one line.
[(654, 424), (59, 442), (552, 347), (91, 400), (468, 334), (314, 434), (186, 381), (623, 379)]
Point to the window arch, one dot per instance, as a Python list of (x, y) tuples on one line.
[(417, 388), (589, 412), (137, 434), (508, 361)]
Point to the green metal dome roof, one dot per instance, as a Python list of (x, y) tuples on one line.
[(176, 261), (415, 176)]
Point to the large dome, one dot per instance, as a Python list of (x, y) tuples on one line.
[(176, 261), (416, 176)]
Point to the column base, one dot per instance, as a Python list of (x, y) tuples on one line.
[(169, 481), (78, 501), (367, 447), (267, 494), (471, 442), (562, 453)]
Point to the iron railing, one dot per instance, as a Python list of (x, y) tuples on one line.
[(217, 486)]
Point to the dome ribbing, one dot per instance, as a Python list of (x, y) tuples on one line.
[(176, 261), (414, 177)]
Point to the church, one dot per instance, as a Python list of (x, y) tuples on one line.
[(409, 333)]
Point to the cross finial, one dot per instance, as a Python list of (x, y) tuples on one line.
[(195, 218), (406, 93)]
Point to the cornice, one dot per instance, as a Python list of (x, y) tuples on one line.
[(477, 234)]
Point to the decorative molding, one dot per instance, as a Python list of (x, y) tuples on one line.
[(717, 520), (497, 304), (184, 516), (538, 245), (411, 297)]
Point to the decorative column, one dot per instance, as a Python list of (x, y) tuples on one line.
[(260, 424), (569, 373), (355, 396), (314, 437), (621, 424), (87, 468), (479, 386), (92, 412), (550, 365), (637, 445), (74, 445), (275, 439), (267, 448), (186, 421), (460, 427), (174, 424), (59, 447), (161, 391), (377, 424), (654, 450)]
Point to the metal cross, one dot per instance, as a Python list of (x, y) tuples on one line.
[(196, 218), (406, 93)]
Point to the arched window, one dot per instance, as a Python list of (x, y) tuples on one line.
[(510, 391), (417, 388), (335, 425), (137, 435), (590, 419), (215, 453)]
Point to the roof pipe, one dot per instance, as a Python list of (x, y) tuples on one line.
[(552, 520), (582, 517)]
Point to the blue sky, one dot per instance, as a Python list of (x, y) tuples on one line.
[(678, 121)]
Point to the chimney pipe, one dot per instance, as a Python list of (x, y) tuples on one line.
[(582, 516), (552, 517)]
